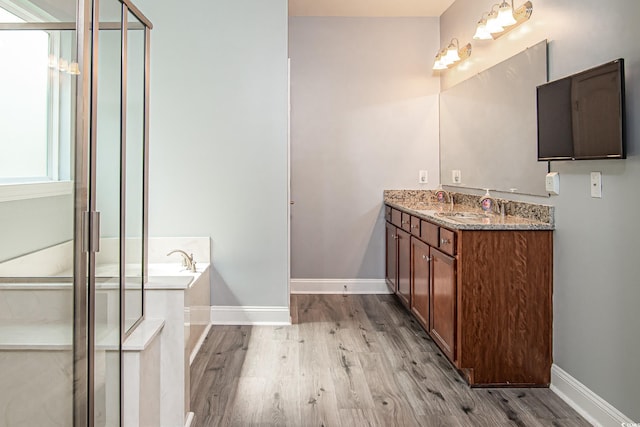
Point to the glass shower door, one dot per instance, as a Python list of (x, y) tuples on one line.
[(106, 143), (119, 164), (37, 211), (72, 206)]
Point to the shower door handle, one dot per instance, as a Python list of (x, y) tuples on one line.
[(91, 232)]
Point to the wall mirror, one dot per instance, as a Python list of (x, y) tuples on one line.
[(488, 127)]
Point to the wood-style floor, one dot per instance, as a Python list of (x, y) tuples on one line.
[(357, 360)]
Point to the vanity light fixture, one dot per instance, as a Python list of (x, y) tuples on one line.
[(439, 63), (493, 24), (505, 14), (482, 33), (53, 61), (452, 55), (63, 65), (502, 20), (74, 68)]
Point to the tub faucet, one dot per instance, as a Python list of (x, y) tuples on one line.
[(187, 260)]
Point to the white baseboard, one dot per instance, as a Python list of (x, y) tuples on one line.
[(249, 315), (339, 286), (189, 420), (588, 404), (196, 348)]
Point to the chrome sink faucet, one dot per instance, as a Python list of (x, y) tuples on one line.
[(491, 205), (187, 260), (443, 196)]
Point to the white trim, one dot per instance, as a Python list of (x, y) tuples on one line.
[(339, 286), (34, 190), (250, 315), (588, 404), (196, 348), (189, 421)]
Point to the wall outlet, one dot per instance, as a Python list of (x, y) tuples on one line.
[(456, 177), (423, 177), (552, 183), (596, 185)]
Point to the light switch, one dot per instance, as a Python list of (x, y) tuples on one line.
[(423, 177), (456, 176), (596, 185)]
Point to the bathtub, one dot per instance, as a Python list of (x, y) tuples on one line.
[(36, 333)]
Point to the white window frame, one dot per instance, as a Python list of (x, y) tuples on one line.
[(51, 185)]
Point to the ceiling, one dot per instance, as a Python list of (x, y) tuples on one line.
[(378, 8)]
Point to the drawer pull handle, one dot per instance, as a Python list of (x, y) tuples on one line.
[(405, 222), (445, 241), (414, 226), (426, 258)]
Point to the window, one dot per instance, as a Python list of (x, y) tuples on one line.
[(37, 105)]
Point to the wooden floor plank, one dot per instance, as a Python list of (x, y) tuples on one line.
[(350, 360)]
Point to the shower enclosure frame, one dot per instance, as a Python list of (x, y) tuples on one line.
[(86, 221)]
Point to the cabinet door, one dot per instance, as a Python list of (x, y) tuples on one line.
[(443, 302), (420, 272), (391, 267), (404, 267)]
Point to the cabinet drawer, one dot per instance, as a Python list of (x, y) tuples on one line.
[(415, 226), (429, 233), (396, 217), (406, 222), (387, 213), (447, 241)]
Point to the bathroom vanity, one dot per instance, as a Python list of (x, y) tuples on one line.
[(480, 284)]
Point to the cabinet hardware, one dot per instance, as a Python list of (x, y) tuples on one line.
[(445, 241)]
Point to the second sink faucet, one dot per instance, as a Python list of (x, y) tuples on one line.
[(443, 196), (187, 260), (490, 204)]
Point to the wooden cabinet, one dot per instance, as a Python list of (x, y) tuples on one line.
[(442, 309), (398, 254), (420, 281), (504, 306), (391, 265), (484, 296), (404, 267)]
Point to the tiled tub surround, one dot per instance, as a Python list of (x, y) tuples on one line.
[(518, 215), (35, 332)]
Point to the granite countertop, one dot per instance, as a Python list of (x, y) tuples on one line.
[(466, 213)]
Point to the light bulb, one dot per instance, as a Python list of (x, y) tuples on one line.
[(481, 31), (493, 26), (63, 65), (74, 68), (505, 15), (452, 54), (439, 65)]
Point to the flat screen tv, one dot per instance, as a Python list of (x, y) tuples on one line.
[(582, 116)]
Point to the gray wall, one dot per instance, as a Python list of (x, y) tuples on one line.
[(218, 156), (597, 241), (364, 118)]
